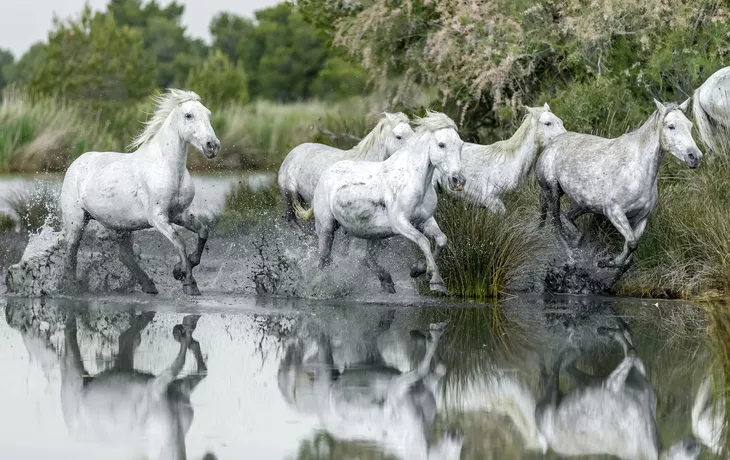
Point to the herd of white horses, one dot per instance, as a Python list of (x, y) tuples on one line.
[(386, 184)]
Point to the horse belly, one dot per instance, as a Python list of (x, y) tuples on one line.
[(115, 200), (365, 222)]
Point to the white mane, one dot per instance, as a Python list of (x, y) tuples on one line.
[(509, 146), (165, 104), (373, 137), (433, 121)]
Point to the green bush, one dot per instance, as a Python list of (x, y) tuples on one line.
[(219, 82)]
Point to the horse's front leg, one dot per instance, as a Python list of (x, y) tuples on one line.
[(371, 261), (403, 226), (431, 230), (160, 221), (191, 222), (618, 218)]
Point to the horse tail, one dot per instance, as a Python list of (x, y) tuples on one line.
[(703, 122), (702, 401), (302, 213)]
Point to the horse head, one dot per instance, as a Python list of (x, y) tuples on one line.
[(675, 133), (549, 126), (444, 146), (396, 131)]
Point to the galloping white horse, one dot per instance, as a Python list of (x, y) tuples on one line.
[(494, 169), (379, 200), (302, 167), (150, 187), (614, 177), (711, 109)]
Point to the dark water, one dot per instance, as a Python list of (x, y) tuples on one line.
[(285, 379)]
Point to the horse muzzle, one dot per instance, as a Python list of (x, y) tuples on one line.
[(693, 159), (456, 182), (212, 148)]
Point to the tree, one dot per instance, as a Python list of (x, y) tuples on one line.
[(339, 79), (219, 82), (6, 61), (94, 59), (20, 71)]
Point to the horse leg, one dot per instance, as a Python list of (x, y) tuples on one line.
[(544, 205), (162, 224), (616, 380), (126, 255), (72, 366), (371, 261), (289, 214), (325, 227), (160, 384), (74, 222), (404, 227), (403, 383), (187, 384), (619, 220), (495, 205), (431, 230), (191, 222), (129, 341), (573, 213)]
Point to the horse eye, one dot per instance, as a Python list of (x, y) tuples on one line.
[(189, 116), (442, 145), (549, 123), (670, 127), (399, 137)]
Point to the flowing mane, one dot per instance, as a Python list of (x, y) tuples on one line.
[(165, 104), (373, 138), (510, 146), (433, 121)]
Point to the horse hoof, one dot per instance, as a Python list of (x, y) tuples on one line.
[(388, 288), (417, 271), (149, 288), (191, 289), (177, 272), (438, 287), (190, 322)]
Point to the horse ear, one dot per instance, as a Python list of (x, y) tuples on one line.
[(547, 107), (660, 107), (685, 105)]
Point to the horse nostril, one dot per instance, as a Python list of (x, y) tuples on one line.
[(691, 156)]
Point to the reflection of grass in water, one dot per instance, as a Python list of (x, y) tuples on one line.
[(247, 207), (719, 330)]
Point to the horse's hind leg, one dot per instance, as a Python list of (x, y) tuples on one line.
[(431, 229), (126, 255), (371, 261), (325, 227), (289, 213), (74, 221), (129, 341)]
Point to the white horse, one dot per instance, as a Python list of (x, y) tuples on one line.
[(372, 401), (150, 187), (302, 167), (492, 170), (612, 416), (380, 200), (711, 110), (614, 177), (150, 413), (708, 417)]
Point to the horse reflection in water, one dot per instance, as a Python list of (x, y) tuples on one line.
[(615, 415), (125, 405), (370, 400)]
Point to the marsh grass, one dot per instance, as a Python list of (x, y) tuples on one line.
[(485, 250), (247, 208), (719, 328)]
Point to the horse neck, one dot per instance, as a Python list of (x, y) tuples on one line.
[(649, 153), (420, 160), (171, 148), (378, 150), (526, 150)]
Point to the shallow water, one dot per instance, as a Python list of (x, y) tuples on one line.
[(259, 350)]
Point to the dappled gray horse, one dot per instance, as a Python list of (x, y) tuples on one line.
[(615, 415), (375, 402), (711, 110), (302, 167), (151, 413), (614, 177), (494, 169)]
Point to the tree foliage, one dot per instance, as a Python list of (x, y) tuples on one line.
[(94, 59), (502, 53), (219, 82)]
